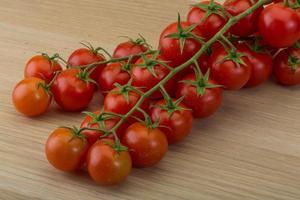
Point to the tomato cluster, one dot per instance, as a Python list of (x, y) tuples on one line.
[(147, 104)]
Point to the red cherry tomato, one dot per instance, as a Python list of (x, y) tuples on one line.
[(111, 74), (115, 102), (41, 67), (262, 65), (212, 24), (85, 56), (106, 165), (93, 122), (147, 73), (170, 47), (65, 150), (30, 97), (146, 146), (247, 25), (227, 72), (279, 25), (203, 105), (130, 48), (72, 92), (175, 120), (287, 67)]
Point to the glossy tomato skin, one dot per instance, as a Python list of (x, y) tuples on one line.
[(202, 105), (279, 25), (262, 65), (111, 74), (105, 165), (208, 27), (129, 48), (247, 25), (175, 126), (84, 56), (143, 78), (116, 103), (227, 72), (170, 47), (29, 98), (93, 136), (70, 92), (283, 71), (65, 151), (146, 146), (41, 67)]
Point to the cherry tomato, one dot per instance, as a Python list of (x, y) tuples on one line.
[(287, 67), (130, 48), (42, 67), (227, 68), (147, 146), (65, 150), (212, 24), (106, 165), (72, 90), (146, 73), (115, 102), (175, 119), (247, 25), (170, 47), (93, 121), (86, 56), (111, 74), (262, 65), (31, 97), (205, 104), (279, 25)]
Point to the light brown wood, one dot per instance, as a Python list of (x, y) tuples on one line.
[(249, 150)]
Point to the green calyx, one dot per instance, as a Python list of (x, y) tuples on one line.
[(183, 34), (77, 133), (211, 8), (293, 62), (150, 63), (172, 106), (85, 75), (235, 57), (94, 50), (201, 82), (126, 89), (147, 121)]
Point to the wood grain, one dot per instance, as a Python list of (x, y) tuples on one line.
[(249, 150)]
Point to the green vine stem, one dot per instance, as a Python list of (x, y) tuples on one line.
[(204, 47)]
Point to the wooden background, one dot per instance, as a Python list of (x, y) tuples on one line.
[(249, 150)]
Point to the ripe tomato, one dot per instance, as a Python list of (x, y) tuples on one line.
[(115, 102), (175, 119), (287, 66), (212, 24), (170, 48), (147, 146), (106, 165), (147, 72), (72, 90), (65, 150), (226, 70), (130, 48), (111, 74), (200, 97), (94, 119), (247, 25), (86, 56), (31, 97), (262, 65), (279, 25), (42, 67)]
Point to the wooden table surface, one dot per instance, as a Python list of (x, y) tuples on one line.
[(250, 149)]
